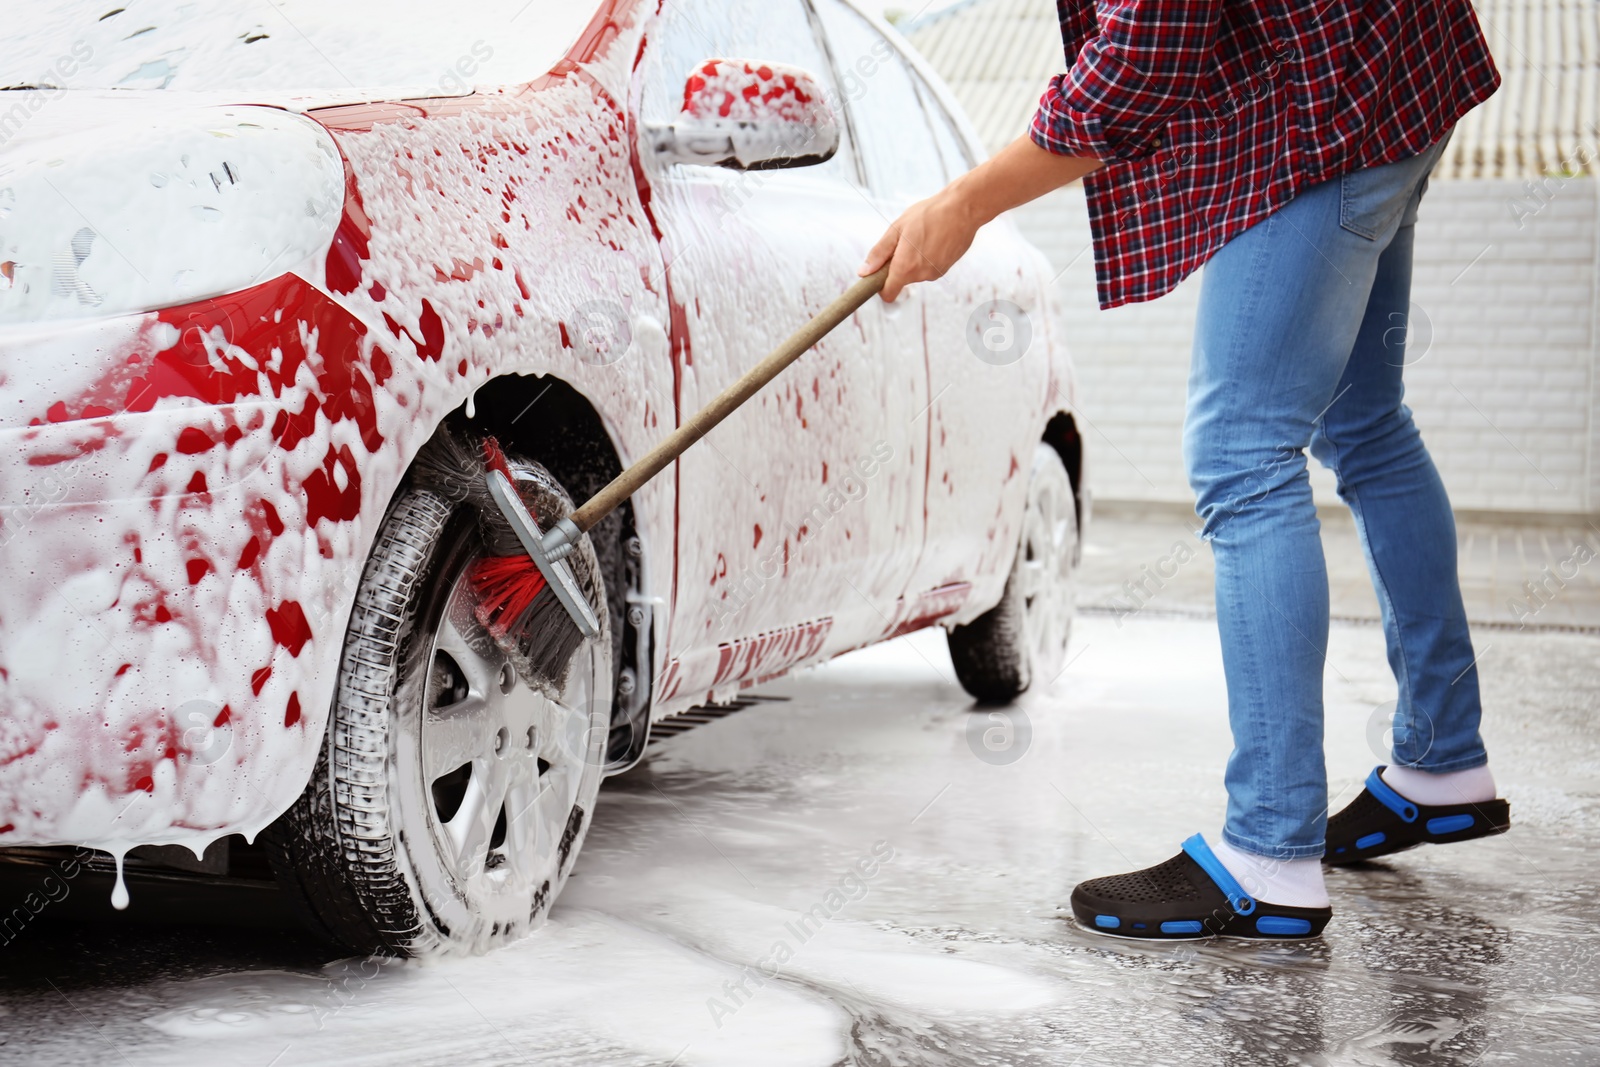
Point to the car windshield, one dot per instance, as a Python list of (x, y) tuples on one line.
[(284, 46)]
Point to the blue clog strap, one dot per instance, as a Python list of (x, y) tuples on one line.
[(1241, 902), (1389, 798)]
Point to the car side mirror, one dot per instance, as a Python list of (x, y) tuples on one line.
[(748, 115)]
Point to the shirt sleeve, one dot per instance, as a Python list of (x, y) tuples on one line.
[(1146, 61)]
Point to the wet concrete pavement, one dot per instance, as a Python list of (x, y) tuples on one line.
[(941, 865), (1520, 575)]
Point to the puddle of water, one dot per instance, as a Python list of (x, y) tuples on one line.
[(843, 879)]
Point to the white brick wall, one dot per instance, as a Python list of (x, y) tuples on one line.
[(1507, 391)]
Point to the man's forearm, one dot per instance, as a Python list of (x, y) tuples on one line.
[(1017, 174), (933, 233)]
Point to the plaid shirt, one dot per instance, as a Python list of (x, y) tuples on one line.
[(1213, 114)]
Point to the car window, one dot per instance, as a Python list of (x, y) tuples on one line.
[(953, 152), (775, 31), (893, 135), (284, 46)]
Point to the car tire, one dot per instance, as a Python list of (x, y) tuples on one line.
[(1024, 638), (396, 847)]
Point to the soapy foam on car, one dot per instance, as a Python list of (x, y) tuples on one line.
[(166, 601), (407, 47), (477, 237)]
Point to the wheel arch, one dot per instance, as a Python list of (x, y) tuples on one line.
[(547, 419), (1061, 433)]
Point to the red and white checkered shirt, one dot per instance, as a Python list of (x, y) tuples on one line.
[(1212, 114)]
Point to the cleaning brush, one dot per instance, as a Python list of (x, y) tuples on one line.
[(540, 601), (506, 586)]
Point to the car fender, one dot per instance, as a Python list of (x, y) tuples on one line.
[(284, 419)]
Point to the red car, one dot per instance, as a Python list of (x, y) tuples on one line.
[(253, 258)]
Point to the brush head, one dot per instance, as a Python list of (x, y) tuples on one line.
[(495, 459), (506, 587), (514, 603)]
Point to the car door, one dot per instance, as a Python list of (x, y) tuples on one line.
[(984, 327), (801, 516)]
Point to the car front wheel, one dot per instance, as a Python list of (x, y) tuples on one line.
[(1022, 640), (451, 795)]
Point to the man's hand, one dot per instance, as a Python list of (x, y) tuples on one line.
[(925, 242)]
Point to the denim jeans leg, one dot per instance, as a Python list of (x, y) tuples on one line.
[(1282, 307), (1407, 529), (1279, 309)]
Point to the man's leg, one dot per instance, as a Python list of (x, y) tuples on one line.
[(1280, 309), (1280, 306), (1407, 531), (1439, 789)]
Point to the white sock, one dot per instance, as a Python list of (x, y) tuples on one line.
[(1471, 786), (1290, 883)]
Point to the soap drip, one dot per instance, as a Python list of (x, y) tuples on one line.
[(119, 892)]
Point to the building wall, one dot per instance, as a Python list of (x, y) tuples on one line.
[(1504, 354)]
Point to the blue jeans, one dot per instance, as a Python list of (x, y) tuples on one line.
[(1300, 343)]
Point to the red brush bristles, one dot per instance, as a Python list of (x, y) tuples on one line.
[(506, 587), (511, 599), (495, 459)]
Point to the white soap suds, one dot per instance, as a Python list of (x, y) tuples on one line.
[(192, 492), (285, 46)]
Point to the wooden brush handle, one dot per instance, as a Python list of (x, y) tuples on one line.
[(705, 420)]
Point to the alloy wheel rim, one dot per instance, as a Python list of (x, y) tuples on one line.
[(1047, 578), (502, 764)]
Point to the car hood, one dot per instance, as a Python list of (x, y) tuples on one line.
[(31, 116)]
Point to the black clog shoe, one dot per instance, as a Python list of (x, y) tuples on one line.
[(1190, 896), (1381, 821)]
